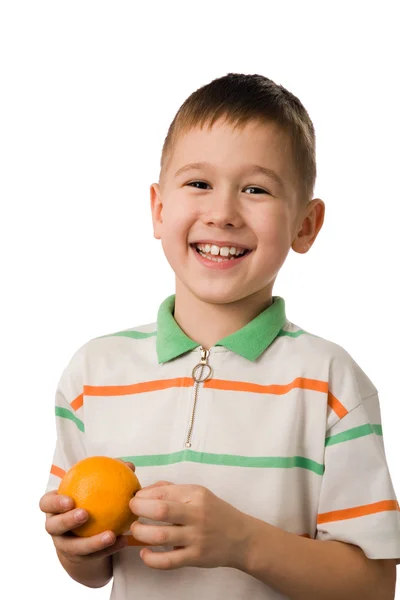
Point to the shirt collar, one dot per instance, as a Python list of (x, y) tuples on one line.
[(249, 342)]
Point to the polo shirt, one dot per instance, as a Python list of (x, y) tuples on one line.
[(284, 425)]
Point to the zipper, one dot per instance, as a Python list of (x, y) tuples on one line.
[(201, 372)]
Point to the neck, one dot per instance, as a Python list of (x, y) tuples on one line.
[(207, 323)]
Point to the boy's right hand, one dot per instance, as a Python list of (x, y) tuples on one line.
[(62, 519)]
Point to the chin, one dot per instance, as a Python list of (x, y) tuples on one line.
[(217, 296)]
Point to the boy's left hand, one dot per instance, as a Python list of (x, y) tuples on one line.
[(205, 531)]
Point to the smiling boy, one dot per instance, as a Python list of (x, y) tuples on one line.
[(258, 445)]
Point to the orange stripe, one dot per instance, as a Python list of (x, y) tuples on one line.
[(216, 384), (336, 406), (242, 386), (136, 388), (357, 511), (57, 471), (78, 402), (300, 382)]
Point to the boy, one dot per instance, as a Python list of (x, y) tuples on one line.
[(258, 444)]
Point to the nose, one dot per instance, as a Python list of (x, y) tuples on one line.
[(222, 210)]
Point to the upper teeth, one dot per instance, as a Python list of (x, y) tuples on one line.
[(222, 251)]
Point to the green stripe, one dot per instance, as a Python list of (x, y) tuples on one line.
[(226, 460), (352, 434), (137, 335), (64, 413), (292, 334)]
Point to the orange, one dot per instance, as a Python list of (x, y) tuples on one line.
[(103, 486)]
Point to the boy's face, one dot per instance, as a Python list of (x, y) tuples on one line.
[(231, 207)]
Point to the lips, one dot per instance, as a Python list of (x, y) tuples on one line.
[(211, 261)]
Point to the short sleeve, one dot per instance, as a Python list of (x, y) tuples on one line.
[(357, 502), (69, 421)]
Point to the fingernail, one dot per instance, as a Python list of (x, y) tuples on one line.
[(80, 514), (65, 502), (106, 538)]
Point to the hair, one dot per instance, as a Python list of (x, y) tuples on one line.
[(240, 99)]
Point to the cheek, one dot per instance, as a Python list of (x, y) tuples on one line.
[(274, 229), (175, 232), (177, 221)]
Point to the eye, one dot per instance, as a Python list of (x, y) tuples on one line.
[(258, 190), (193, 183)]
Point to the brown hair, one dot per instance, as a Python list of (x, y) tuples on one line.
[(243, 98)]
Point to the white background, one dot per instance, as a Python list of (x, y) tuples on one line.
[(88, 90)]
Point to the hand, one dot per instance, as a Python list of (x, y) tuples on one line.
[(61, 520), (205, 531)]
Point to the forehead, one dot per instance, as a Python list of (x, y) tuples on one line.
[(223, 135), (229, 149)]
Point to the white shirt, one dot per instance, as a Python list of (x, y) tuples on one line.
[(287, 429)]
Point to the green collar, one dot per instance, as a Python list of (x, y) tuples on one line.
[(249, 342)]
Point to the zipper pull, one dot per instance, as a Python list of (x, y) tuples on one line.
[(201, 372), (201, 366)]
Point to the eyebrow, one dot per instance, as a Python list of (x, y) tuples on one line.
[(251, 170)]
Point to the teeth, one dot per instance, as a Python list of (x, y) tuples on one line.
[(215, 251)]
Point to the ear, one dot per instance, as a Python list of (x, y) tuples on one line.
[(156, 209), (312, 220)]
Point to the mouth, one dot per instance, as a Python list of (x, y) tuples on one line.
[(220, 253)]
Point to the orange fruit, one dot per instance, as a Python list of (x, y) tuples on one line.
[(103, 486)]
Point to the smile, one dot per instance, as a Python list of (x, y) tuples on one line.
[(219, 253), (219, 256)]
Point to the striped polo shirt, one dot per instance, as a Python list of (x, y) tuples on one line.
[(280, 423)]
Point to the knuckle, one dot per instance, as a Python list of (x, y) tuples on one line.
[(160, 495), (162, 536), (162, 512), (196, 553), (201, 493), (63, 545), (69, 547), (201, 515)]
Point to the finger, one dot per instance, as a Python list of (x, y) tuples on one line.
[(160, 510), (166, 561), (55, 503), (60, 524), (167, 491), (119, 544), (160, 535), (85, 546)]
